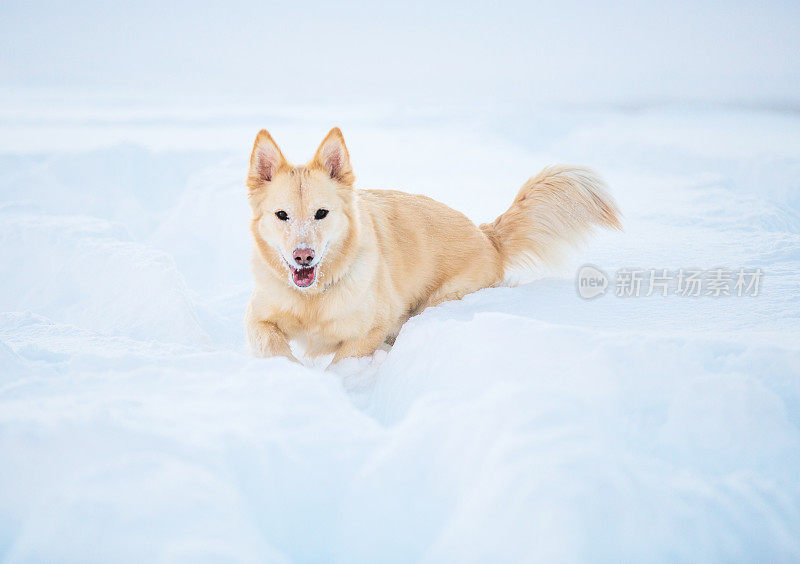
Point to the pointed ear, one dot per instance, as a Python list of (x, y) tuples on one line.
[(266, 160), (333, 158)]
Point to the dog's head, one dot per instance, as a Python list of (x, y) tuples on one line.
[(303, 216)]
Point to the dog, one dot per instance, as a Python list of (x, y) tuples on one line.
[(339, 269)]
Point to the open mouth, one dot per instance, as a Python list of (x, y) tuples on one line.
[(304, 277)]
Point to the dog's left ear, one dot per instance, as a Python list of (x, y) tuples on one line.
[(333, 158)]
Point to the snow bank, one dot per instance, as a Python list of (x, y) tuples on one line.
[(516, 424), (87, 272)]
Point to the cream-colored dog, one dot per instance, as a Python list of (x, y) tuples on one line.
[(340, 270)]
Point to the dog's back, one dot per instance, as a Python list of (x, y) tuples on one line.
[(433, 253), (428, 252)]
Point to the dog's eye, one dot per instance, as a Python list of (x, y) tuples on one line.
[(282, 215), (320, 213)]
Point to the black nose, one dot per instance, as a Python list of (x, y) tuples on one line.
[(303, 257)]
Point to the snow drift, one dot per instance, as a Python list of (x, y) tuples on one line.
[(519, 423)]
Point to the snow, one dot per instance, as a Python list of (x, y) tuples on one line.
[(517, 423)]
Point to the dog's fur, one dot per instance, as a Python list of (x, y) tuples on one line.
[(381, 256)]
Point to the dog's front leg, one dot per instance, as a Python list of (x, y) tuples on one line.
[(267, 340), (363, 346)]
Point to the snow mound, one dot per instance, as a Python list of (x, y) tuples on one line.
[(87, 272)]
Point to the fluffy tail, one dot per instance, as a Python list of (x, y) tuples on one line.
[(554, 210)]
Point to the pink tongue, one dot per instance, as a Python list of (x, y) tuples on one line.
[(303, 276)]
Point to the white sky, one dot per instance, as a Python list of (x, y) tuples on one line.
[(407, 53)]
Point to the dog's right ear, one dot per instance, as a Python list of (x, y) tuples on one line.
[(266, 161)]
